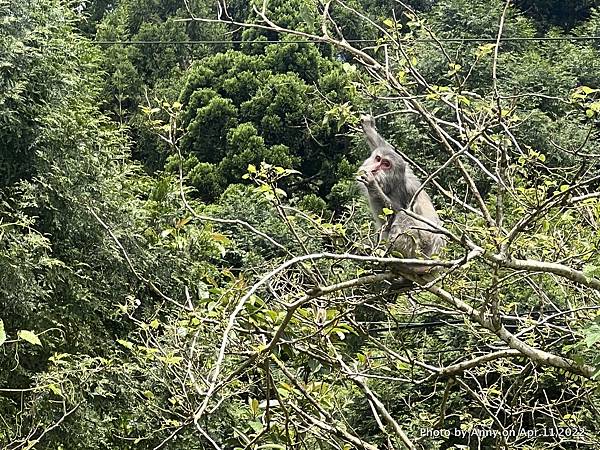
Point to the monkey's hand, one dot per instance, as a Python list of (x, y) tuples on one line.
[(368, 122), (377, 197), (368, 180)]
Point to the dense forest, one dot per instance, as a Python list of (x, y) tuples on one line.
[(187, 260)]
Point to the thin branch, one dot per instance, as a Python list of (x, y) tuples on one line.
[(132, 267)]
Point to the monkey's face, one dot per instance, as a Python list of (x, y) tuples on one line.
[(383, 166), (379, 163), (376, 165)]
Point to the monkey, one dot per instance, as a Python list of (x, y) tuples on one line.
[(387, 181)]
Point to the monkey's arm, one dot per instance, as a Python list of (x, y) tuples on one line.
[(373, 138)]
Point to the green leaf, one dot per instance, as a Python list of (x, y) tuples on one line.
[(453, 69), (149, 395), (340, 333), (31, 444), (592, 335), (58, 358), (220, 238), (171, 359), (126, 344), (464, 100), (2, 333), (257, 427), (55, 389), (389, 23), (484, 50), (590, 271), (348, 68), (29, 336), (182, 222)]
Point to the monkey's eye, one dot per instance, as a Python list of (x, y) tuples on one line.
[(385, 164), (378, 158)]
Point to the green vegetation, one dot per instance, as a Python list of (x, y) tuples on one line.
[(186, 261)]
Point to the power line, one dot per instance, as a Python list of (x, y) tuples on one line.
[(213, 42), (354, 41)]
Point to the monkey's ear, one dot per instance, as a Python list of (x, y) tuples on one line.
[(372, 137)]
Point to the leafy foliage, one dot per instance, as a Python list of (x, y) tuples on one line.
[(185, 261), (243, 109)]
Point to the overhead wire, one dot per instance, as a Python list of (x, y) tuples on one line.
[(351, 41)]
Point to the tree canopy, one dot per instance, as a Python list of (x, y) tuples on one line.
[(187, 261)]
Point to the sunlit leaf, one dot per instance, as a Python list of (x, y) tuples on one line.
[(55, 389), (126, 344), (29, 336), (2, 333), (149, 395), (592, 335)]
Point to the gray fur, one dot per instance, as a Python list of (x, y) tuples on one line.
[(394, 189)]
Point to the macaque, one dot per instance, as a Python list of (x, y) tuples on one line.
[(388, 182)]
